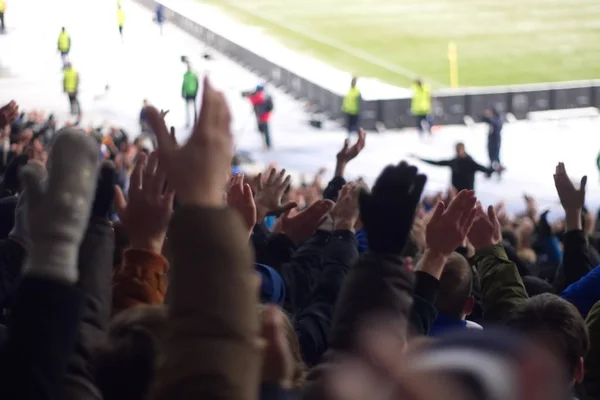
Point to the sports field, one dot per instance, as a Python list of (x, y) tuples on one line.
[(499, 41)]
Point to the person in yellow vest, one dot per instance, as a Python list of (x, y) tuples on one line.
[(2, 10), (64, 46), (351, 107), (420, 106), (71, 87), (120, 20)]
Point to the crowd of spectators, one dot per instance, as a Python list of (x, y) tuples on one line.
[(135, 273)]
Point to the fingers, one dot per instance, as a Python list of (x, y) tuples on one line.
[(491, 214), (437, 213), (135, 185), (159, 127)]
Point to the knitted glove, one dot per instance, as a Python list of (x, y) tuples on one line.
[(105, 191), (58, 215), (20, 231), (388, 211)]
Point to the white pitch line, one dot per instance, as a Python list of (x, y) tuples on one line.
[(357, 53)]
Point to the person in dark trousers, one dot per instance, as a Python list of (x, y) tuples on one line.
[(64, 46), (189, 91), (71, 87), (159, 17), (2, 10), (351, 107), (495, 122), (263, 106), (463, 168)]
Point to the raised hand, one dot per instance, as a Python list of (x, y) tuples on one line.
[(572, 199), (269, 191), (147, 211), (8, 114), (348, 153), (448, 227), (388, 211), (485, 230), (105, 192), (197, 169), (239, 197), (299, 226), (345, 212)]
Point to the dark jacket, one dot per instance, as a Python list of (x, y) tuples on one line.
[(95, 281), (463, 171)]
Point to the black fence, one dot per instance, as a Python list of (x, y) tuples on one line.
[(451, 106)]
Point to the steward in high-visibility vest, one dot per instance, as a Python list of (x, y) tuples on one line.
[(120, 20), (420, 106), (64, 42), (70, 80), (351, 107), (421, 100), (2, 10)]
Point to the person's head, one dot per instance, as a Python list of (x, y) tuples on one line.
[(460, 150), (124, 365), (63, 29), (418, 82), (556, 325), (145, 102), (353, 82), (488, 112), (260, 88), (69, 65), (454, 298)]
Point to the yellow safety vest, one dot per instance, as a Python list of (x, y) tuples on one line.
[(421, 101), (120, 17), (64, 42), (71, 80), (2, 5), (351, 102)]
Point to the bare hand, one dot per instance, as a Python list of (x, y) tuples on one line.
[(299, 226), (571, 199), (239, 197), (348, 153), (8, 114), (269, 192), (345, 212), (448, 227), (486, 230), (196, 169), (146, 214)]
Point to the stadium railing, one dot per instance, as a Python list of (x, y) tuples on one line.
[(451, 105)]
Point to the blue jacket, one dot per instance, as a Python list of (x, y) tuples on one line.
[(584, 293), (445, 323)]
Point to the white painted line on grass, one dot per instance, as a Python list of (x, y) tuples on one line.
[(357, 53)]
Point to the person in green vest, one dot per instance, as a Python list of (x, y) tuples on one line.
[(120, 20), (71, 87), (189, 91), (64, 46), (420, 106), (351, 107)]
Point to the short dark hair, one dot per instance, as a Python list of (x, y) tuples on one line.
[(456, 284), (557, 323)]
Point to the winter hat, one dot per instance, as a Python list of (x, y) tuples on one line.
[(272, 287)]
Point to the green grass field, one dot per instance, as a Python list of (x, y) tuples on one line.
[(499, 42)]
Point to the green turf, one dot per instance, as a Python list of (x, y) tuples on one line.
[(499, 42)]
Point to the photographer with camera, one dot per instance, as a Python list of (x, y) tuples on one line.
[(263, 106)]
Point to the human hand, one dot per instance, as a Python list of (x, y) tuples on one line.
[(348, 153), (269, 192), (146, 213), (571, 199), (543, 227), (8, 114), (345, 211), (486, 230), (239, 198), (448, 227), (299, 226), (195, 170), (388, 211), (531, 206)]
